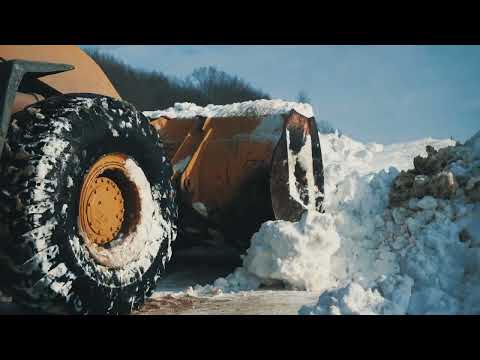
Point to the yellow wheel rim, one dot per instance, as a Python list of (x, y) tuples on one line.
[(102, 205)]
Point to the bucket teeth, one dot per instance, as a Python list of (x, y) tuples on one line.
[(296, 182)]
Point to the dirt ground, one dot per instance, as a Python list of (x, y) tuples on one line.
[(170, 298), (262, 302)]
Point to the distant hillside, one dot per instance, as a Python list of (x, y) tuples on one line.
[(153, 90)]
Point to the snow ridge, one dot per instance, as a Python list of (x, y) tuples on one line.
[(248, 108), (364, 256)]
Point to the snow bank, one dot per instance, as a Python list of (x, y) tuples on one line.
[(431, 245), (367, 256), (247, 108), (390, 298), (295, 253)]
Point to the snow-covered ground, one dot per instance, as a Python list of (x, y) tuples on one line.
[(362, 257)]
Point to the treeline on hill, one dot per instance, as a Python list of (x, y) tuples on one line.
[(152, 90)]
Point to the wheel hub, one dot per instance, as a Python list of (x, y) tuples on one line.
[(104, 200), (102, 205)]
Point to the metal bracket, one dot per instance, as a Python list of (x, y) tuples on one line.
[(22, 75)]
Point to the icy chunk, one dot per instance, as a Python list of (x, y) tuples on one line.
[(427, 203)]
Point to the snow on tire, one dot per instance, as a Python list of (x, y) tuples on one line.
[(52, 146)]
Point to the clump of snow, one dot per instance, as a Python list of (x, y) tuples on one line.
[(427, 203), (52, 149), (305, 160), (295, 253), (391, 297), (69, 182), (368, 257), (200, 208), (239, 280), (247, 108)]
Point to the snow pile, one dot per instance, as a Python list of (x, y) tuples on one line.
[(432, 243), (392, 240), (353, 299), (282, 251), (297, 254), (420, 249), (247, 108)]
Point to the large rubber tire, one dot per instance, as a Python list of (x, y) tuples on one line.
[(52, 144)]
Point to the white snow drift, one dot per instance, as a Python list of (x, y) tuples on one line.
[(247, 108), (363, 256)]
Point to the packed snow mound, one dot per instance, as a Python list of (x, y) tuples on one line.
[(372, 254), (431, 229), (248, 108), (424, 245), (297, 254), (353, 299), (351, 243)]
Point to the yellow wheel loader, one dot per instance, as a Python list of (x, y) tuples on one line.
[(94, 192)]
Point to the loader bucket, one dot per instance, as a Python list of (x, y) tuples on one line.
[(296, 178), (236, 170)]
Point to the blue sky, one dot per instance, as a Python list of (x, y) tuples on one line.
[(383, 94)]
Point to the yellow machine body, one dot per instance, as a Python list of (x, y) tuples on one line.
[(87, 77)]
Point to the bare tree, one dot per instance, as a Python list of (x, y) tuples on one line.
[(222, 88)]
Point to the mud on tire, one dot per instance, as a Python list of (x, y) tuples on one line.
[(52, 144)]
